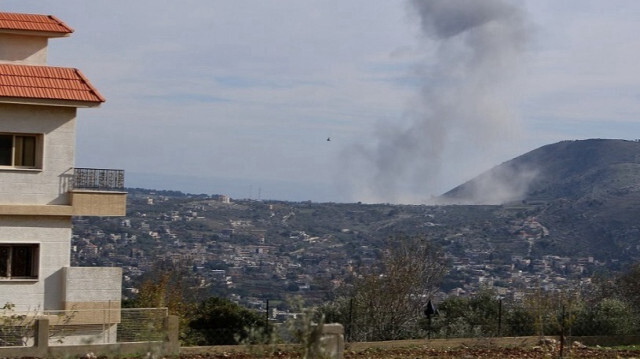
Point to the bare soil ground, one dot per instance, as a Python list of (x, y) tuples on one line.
[(464, 348), (422, 352)]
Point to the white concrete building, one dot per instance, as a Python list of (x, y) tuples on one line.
[(40, 190)]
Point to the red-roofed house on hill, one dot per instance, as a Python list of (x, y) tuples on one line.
[(41, 190)]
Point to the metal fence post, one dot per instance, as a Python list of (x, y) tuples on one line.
[(266, 320), (499, 316), (350, 327), (562, 332)]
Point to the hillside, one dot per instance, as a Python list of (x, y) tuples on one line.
[(590, 190), (577, 216), (572, 170)]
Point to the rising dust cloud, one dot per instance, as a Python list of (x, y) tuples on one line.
[(463, 109)]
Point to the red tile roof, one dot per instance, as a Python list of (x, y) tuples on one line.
[(46, 82), (31, 22)]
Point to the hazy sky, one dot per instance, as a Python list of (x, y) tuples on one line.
[(417, 96)]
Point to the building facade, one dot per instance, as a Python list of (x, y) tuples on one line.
[(41, 190)]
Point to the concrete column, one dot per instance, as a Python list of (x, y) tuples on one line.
[(41, 337), (332, 341), (172, 342)]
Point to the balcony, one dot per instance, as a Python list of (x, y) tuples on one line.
[(98, 179), (98, 192)]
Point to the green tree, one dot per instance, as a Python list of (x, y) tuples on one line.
[(518, 322), (219, 321), (627, 285), (609, 317), (550, 312), (467, 317)]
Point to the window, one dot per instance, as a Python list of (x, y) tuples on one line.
[(20, 150), (19, 261)]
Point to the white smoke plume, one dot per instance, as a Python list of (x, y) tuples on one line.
[(499, 185), (464, 105)]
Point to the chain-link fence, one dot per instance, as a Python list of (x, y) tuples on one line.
[(16, 329), (85, 326), (140, 325)]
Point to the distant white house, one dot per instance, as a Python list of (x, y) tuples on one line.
[(40, 190)]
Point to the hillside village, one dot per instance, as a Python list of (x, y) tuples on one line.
[(251, 251)]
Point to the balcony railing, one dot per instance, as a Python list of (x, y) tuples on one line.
[(98, 179)]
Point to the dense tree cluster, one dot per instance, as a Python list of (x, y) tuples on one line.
[(386, 300), (218, 321), (485, 315), (387, 303)]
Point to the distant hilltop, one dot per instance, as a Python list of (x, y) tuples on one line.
[(567, 169)]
